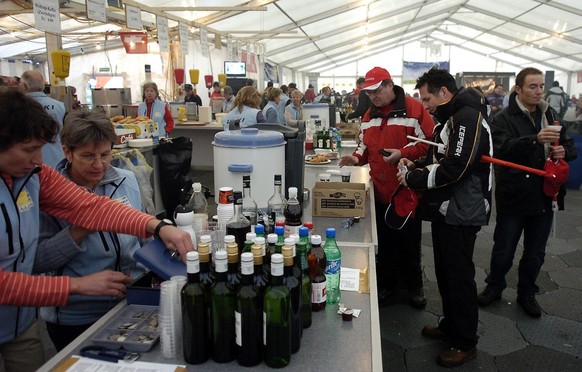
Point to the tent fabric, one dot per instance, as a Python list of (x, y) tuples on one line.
[(312, 36)]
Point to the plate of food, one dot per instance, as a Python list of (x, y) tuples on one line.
[(317, 159)]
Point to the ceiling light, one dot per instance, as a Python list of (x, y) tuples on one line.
[(98, 47)]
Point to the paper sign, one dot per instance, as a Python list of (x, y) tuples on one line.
[(204, 42), (133, 17), (47, 16), (349, 279), (183, 29), (163, 34), (97, 10)]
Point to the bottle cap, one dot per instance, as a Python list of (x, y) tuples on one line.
[(295, 237), (259, 229), (246, 258), (197, 187), (229, 239), (192, 256), (259, 240), (279, 230), (277, 259), (303, 231), (315, 239), (309, 225), (220, 255), (330, 232), (251, 236), (292, 192), (238, 197), (289, 241), (205, 239), (272, 238)]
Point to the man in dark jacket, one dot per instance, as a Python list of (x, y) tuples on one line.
[(456, 198), (522, 134), (364, 102)]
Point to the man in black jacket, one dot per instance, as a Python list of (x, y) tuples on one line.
[(364, 102), (456, 188), (522, 134)]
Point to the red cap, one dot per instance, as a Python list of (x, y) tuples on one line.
[(402, 206), (375, 77)]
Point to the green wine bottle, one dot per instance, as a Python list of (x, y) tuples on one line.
[(277, 317), (196, 340), (248, 316), (294, 286), (222, 305), (302, 249)]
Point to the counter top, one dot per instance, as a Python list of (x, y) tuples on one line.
[(330, 344)]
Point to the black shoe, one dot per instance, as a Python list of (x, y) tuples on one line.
[(417, 299), (530, 306), (488, 295), (456, 357)]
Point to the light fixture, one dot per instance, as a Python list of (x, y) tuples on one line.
[(98, 47)]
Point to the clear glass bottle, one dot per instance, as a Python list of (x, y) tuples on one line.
[(277, 317), (316, 260), (195, 331), (249, 206), (276, 204), (293, 213), (248, 316), (333, 265), (238, 225)]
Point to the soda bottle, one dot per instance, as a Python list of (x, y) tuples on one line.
[(248, 316), (316, 261), (332, 267), (199, 206), (249, 241), (238, 225), (293, 213)]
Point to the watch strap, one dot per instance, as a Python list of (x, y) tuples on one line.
[(164, 222)]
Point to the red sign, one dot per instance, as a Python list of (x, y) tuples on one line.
[(250, 60), (135, 42)]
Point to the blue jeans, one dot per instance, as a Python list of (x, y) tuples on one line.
[(536, 230)]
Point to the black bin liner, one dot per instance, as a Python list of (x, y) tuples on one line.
[(175, 156)]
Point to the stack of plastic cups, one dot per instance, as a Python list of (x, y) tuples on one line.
[(225, 207), (170, 319)]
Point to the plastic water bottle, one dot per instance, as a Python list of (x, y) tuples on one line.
[(332, 266), (199, 206), (184, 218)]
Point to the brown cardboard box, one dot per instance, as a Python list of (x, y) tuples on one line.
[(339, 199), (350, 130)]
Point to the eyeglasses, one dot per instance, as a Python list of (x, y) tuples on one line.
[(375, 91), (90, 159)]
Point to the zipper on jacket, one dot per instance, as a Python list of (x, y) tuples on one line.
[(8, 229)]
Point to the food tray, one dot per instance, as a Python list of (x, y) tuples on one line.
[(134, 329)]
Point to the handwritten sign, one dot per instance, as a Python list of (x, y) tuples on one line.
[(47, 16)]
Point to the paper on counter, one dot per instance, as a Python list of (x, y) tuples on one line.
[(82, 364), (349, 279)]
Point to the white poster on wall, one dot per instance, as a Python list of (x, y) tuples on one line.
[(163, 34), (47, 16), (229, 51), (183, 30), (133, 17), (204, 42), (97, 10)]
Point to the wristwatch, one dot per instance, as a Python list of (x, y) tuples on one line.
[(164, 222)]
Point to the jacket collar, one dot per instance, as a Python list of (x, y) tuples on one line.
[(398, 106)]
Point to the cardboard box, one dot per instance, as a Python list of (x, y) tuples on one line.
[(339, 199), (350, 130)]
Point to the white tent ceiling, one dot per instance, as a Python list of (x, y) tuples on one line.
[(314, 36)]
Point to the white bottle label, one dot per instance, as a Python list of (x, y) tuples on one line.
[(318, 292), (237, 328), (291, 230)]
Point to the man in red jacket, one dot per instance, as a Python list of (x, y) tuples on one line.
[(385, 126)]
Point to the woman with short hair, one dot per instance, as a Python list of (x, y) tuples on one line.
[(246, 111)]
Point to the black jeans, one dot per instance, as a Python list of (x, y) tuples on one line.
[(536, 230), (455, 272), (398, 253), (62, 335)]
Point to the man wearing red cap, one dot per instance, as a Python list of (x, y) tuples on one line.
[(522, 133), (385, 125), (456, 199)]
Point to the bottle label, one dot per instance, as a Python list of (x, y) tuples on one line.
[(333, 267), (193, 267), (291, 230), (237, 328), (318, 292)]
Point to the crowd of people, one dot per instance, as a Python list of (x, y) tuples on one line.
[(73, 217)]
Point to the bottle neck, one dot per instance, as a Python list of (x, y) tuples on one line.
[(194, 277), (276, 280)]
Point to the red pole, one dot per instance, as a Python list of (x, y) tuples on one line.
[(539, 172)]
